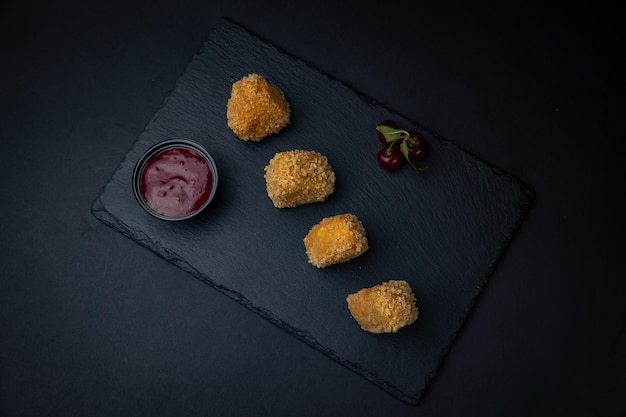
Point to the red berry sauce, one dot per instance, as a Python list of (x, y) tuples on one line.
[(176, 182)]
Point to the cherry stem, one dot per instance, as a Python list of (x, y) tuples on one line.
[(404, 135), (391, 145)]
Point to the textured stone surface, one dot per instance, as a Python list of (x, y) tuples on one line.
[(442, 230)]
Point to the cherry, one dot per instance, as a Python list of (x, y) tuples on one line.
[(399, 144), (390, 158), (388, 123), (416, 144)]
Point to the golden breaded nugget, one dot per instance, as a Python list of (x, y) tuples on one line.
[(256, 108), (335, 239), (298, 177), (384, 308)]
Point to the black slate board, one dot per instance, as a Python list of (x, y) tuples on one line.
[(462, 214)]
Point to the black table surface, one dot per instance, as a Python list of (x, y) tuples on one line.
[(93, 324)]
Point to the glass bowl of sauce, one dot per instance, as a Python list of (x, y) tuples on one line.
[(175, 179)]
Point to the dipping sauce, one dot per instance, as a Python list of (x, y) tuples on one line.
[(176, 182)]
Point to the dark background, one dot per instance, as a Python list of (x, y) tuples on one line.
[(92, 324)]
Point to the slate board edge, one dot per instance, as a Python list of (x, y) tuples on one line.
[(99, 211)]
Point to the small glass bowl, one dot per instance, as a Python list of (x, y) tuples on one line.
[(157, 150)]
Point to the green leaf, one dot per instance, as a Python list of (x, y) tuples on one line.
[(405, 150), (389, 133), (412, 161)]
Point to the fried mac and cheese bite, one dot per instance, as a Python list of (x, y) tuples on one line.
[(335, 239), (298, 177), (256, 108), (384, 308)]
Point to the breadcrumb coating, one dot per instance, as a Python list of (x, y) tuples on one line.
[(298, 177), (335, 239), (384, 308), (256, 108)]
